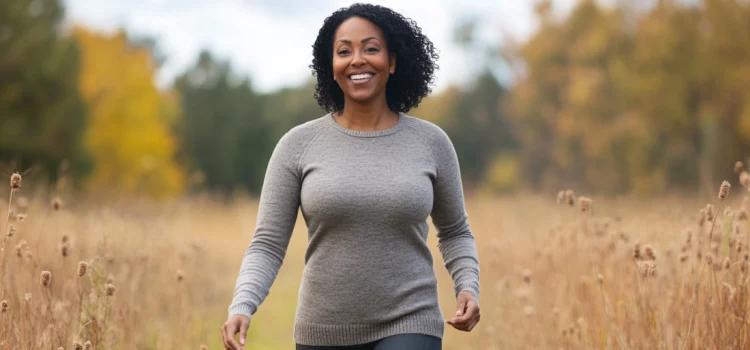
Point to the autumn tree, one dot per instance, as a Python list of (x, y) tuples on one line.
[(128, 129), (618, 98), (42, 117)]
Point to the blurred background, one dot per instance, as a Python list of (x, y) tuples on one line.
[(159, 97), (148, 119)]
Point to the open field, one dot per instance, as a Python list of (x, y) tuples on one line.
[(552, 277)]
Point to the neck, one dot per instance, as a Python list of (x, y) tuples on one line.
[(367, 117)]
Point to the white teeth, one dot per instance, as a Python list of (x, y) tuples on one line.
[(361, 76)]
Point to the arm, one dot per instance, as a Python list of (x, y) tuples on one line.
[(277, 214), (455, 240)]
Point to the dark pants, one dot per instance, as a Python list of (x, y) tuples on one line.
[(394, 342)]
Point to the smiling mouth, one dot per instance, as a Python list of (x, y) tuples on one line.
[(361, 77)]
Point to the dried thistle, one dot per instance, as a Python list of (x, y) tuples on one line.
[(82, 265), (15, 181), (585, 204), (4, 306), (738, 167), (110, 289), (45, 278), (77, 345), (724, 190), (87, 345)]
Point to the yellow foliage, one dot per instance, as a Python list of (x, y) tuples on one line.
[(503, 174), (128, 130)]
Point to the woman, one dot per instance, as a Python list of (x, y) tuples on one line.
[(366, 177)]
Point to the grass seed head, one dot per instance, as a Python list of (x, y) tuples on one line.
[(11, 231), (15, 181), (87, 345), (56, 204), (82, 265), (637, 251), (738, 167), (4, 306), (745, 179), (77, 345), (527, 276), (585, 204), (46, 277), (561, 197), (570, 197), (180, 275), (724, 190), (110, 289)]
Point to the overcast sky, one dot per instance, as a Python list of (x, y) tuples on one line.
[(271, 39)]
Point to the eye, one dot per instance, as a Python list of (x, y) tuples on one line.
[(343, 52), (373, 49)]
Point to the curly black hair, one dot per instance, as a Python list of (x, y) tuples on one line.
[(415, 53)]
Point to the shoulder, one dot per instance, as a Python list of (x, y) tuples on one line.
[(430, 133), (298, 137)]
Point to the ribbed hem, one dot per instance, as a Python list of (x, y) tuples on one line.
[(314, 334)]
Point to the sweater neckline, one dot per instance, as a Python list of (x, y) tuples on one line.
[(374, 133)]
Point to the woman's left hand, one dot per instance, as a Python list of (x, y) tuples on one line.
[(467, 315)]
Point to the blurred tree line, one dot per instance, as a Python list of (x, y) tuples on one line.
[(611, 98)]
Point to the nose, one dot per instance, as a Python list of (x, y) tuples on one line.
[(358, 59)]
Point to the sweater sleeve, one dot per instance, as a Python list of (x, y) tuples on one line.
[(455, 240), (277, 215)]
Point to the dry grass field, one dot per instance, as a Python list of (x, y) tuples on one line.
[(627, 273)]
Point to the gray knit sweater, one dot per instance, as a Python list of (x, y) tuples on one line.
[(365, 197)]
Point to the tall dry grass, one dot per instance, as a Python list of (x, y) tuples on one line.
[(585, 273)]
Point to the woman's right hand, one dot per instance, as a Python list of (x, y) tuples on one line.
[(234, 324)]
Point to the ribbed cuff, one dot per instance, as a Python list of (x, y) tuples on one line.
[(472, 288), (314, 334), (241, 309)]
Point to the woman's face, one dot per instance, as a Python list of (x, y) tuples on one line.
[(361, 62)]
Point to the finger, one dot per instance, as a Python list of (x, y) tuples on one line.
[(231, 342), (243, 332), (461, 309), (471, 312), (224, 337)]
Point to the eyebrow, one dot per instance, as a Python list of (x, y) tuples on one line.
[(362, 41)]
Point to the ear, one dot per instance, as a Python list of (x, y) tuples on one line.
[(392, 63)]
